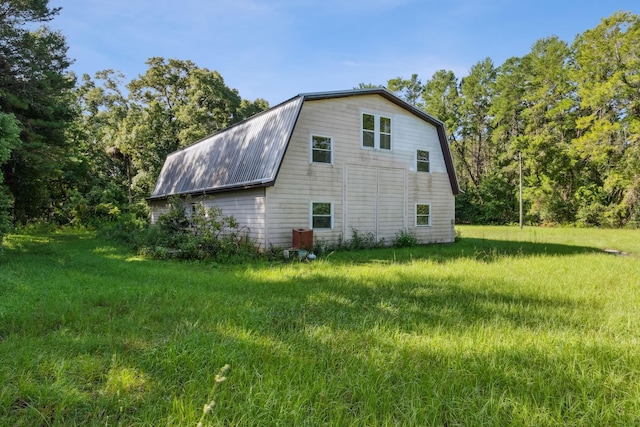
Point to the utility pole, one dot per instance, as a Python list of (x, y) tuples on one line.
[(520, 169)]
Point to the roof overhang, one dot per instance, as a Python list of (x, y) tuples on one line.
[(209, 191)]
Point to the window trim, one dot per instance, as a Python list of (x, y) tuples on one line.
[(331, 216), (416, 215), (376, 130), (428, 163), (311, 149)]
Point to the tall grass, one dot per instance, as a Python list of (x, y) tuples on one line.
[(505, 327)]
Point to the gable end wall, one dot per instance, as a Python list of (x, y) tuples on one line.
[(389, 178)]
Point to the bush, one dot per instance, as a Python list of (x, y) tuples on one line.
[(205, 234), (130, 229), (5, 219), (494, 201), (405, 239), (360, 240)]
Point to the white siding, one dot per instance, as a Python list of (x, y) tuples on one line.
[(361, 199), (158, 207), (391, 203), (246, 206), (371, 190), (414, 134), (435, 190)]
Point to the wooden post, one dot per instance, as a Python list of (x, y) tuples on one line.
[(520, 169)]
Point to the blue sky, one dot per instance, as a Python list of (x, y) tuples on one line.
[(275, 49)]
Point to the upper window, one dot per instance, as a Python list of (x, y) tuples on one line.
[(423, 215), (423, 161), (385, 133), (321, 215), (376, 131), (368, 130), (321, 149)]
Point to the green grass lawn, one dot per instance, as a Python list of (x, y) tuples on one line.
[(505, 327)]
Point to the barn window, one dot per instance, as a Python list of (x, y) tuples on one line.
[(376, 131), (321, 149), (385, 133), (423, 215), (321, 215), (423, 161), (368, 130)]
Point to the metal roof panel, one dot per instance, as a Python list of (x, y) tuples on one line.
[(247, 153)]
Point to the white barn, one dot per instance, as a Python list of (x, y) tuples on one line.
[(331, 162)]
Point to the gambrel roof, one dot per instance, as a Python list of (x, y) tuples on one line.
[(249, 154)]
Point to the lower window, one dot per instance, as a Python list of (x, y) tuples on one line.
[(423, 215), (321, 215)]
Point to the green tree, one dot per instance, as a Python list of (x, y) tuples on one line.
[(103, 174), (9, 139), (549, 119), (35, 89), (573, 113), (408, 89), (251, 108), (508, 106), (508, 127), (442, 100), (127, 130), (606, 69), (474, 144), (195, 100)]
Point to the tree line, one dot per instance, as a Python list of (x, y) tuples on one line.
[(570, 112), (88, 150)]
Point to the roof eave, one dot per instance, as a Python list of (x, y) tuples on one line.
[(208, 191)]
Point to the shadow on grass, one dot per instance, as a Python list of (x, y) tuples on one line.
[(480, 249), (399, 299), (407, 305), (486, 250), (98, 275)]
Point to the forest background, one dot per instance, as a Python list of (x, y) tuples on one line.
[(87, 150)]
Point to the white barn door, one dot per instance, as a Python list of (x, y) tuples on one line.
[(360, 192), (391, 202), (375, 201)]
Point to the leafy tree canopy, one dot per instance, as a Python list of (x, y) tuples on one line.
[(572, 112), (34, 89), (131, 127)]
